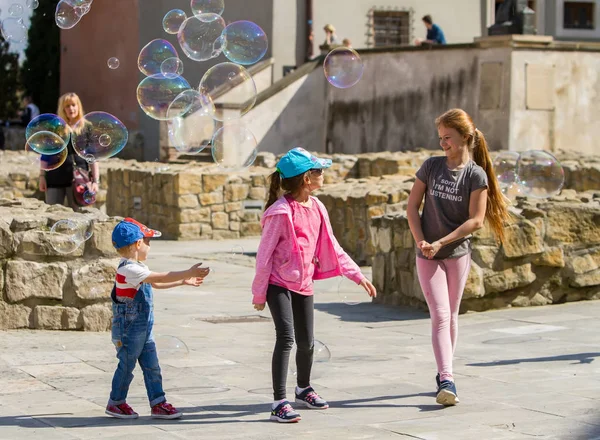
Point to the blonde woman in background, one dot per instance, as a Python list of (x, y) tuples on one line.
[(57, 184)]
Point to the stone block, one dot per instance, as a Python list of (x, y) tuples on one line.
[(101, 241), (552, 257), (206, 230), (485, 256), (220, 220), (26, 223), (225, 235), (197, 215), (48, 317), (213, 182), (474, 287), (250, 216), (572, 223), (212, 198), (188, 183), (187, 201), (234, 226), (217, 208), (585, 261), (521, 239), (13, 316), (518, 276), (28, 279), (259, 181), (97, 317), (258, 193), (587, 279), (188, 231), (376, 211), (235, 192), (251, 229), (70, 319), (233, 206), (94, 281)]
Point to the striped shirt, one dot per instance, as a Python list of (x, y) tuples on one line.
[(129, 278)]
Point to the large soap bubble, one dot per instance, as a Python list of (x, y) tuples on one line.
[(99, 135), (47, 134), (244, 42), (153, 55), (200, 36), (234, 85), (157, 92), (343, 67)]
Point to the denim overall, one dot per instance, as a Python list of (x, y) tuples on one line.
[(134, 340)]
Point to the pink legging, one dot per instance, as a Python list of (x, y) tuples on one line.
[(443, 282)]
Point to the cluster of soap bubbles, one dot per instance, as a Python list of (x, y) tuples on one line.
[(13, 28), (69, 12), (67, 235), (197, 117), (533, 173), (321, 356), (98, 135)]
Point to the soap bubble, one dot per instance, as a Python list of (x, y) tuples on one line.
[(191, 124), (234, 147), (343, 67), (173, 20), (244, 42), (47, 134), (207, 6), (113, 63), (200, 36), (540, 174), (153, 54), (99, 135), (321, 357), (237, 250), (156, 93), (65, 236), (505, 167), (89, 197), (104, 140), (32, 4), (351, 293), (233, 78), (170, 347), (14, 30), (513, 191), (66, 16), (171, 67), (15, 10), (49, 162)]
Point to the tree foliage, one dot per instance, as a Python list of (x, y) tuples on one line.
[(9, 82), (40, 73)]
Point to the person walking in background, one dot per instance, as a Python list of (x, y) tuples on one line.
[(58, 183), (346, 42), (30, 112), (435, 35), (460, 191)]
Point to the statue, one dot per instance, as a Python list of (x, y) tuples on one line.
[(513, 17)]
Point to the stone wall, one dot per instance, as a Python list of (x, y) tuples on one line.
[(41, 288), (551, 255)]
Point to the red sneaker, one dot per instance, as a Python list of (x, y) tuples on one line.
[(165, 410), (122, 411)]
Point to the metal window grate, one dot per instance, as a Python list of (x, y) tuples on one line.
[(578, 15), (391, 28)]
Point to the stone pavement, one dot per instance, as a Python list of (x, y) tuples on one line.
[(521, 373)]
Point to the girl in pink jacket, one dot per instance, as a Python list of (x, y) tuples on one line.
[(297, 246)]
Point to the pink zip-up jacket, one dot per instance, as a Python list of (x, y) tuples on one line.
[(280, 253)]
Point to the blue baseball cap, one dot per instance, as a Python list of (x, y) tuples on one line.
[(128, 231), (298, 161)]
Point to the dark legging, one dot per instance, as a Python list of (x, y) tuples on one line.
[(292, 313)]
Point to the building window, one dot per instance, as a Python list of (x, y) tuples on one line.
[(390, 27), (578, 15)]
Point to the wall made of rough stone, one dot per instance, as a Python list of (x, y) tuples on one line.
[(41, 288), (551, 254)]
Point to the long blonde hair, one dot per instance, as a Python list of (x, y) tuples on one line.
[(62, 103), (496, 212)]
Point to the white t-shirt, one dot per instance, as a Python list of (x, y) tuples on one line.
[(35, 111), (129, 278)]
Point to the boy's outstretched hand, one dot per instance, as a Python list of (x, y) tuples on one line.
[(198, 272), (194, 281)]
